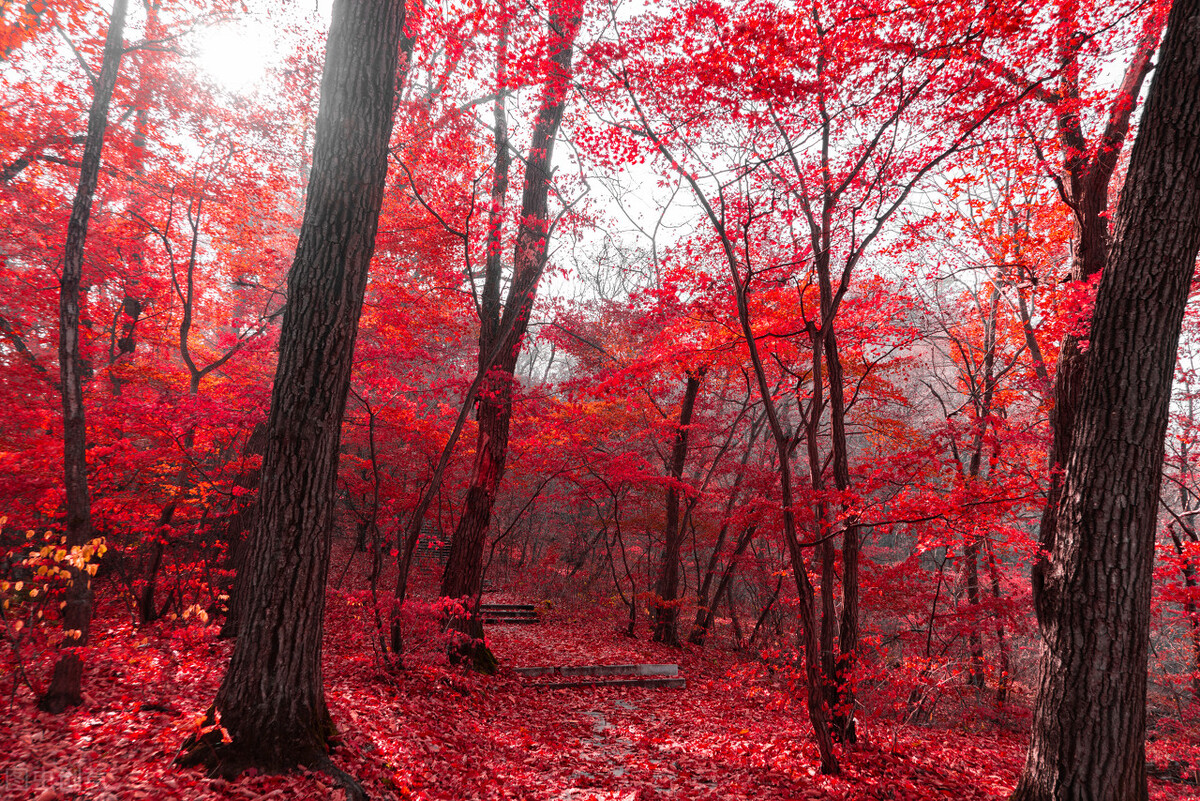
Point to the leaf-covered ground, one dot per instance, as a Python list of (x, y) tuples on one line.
[(736, 731)]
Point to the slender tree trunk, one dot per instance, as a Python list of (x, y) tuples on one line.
[(1189, 606), (66, 684), (238, 525), (147, 611), (733, 618), (818, 712), (666, 588), (1001, 635), (489, 338), (762, 615), (272, 701), (982, 400), (706, 612), (463, 576), (842, 678), (704, 609), (1089, 724)]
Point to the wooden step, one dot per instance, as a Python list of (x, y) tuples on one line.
[(441, 553), (575, 671), (508, 613), (665, 682), (501, 614)]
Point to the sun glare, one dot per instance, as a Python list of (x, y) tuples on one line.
[(237, 56)]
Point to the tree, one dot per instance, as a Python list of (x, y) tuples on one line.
[(1087, 172), (799, 165), (502, 327), (64, 689), (270, 711), (1089, 718), (666, 585)]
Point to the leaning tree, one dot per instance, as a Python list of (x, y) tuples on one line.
[(1089, 723)]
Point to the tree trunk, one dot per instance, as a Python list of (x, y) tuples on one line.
[(706, 611), (66, 684), (272, 701), (1001, 636), (982, 402), (1088, 173), (1189, 605), (762, 615), (1089, 724), (238, 525), (666, 588), (502, 334)]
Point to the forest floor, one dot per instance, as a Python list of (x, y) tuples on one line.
[(736, 731)]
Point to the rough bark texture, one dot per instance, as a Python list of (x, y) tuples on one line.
[(272, 700), (463, 577), (1088, 172), (66, 684), (1089, 719), (666, 587)]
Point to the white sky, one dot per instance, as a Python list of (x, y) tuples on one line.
[(239, 54)]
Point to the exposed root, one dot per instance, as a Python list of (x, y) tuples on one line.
[(354, 790), (211, 751)]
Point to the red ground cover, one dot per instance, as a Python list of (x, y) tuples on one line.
[(736, 731)]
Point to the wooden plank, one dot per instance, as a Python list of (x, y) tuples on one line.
[(600, 670), (666, 682)]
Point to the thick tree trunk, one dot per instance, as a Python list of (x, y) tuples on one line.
[(66, 684), (463, 576), (1088, 172), (666, 588), (1088, 736), (272, 701)]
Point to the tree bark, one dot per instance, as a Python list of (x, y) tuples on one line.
[(66, 684), (272, 701), (1088, 737), (666, 587), (463, 576), (1087, 175)]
